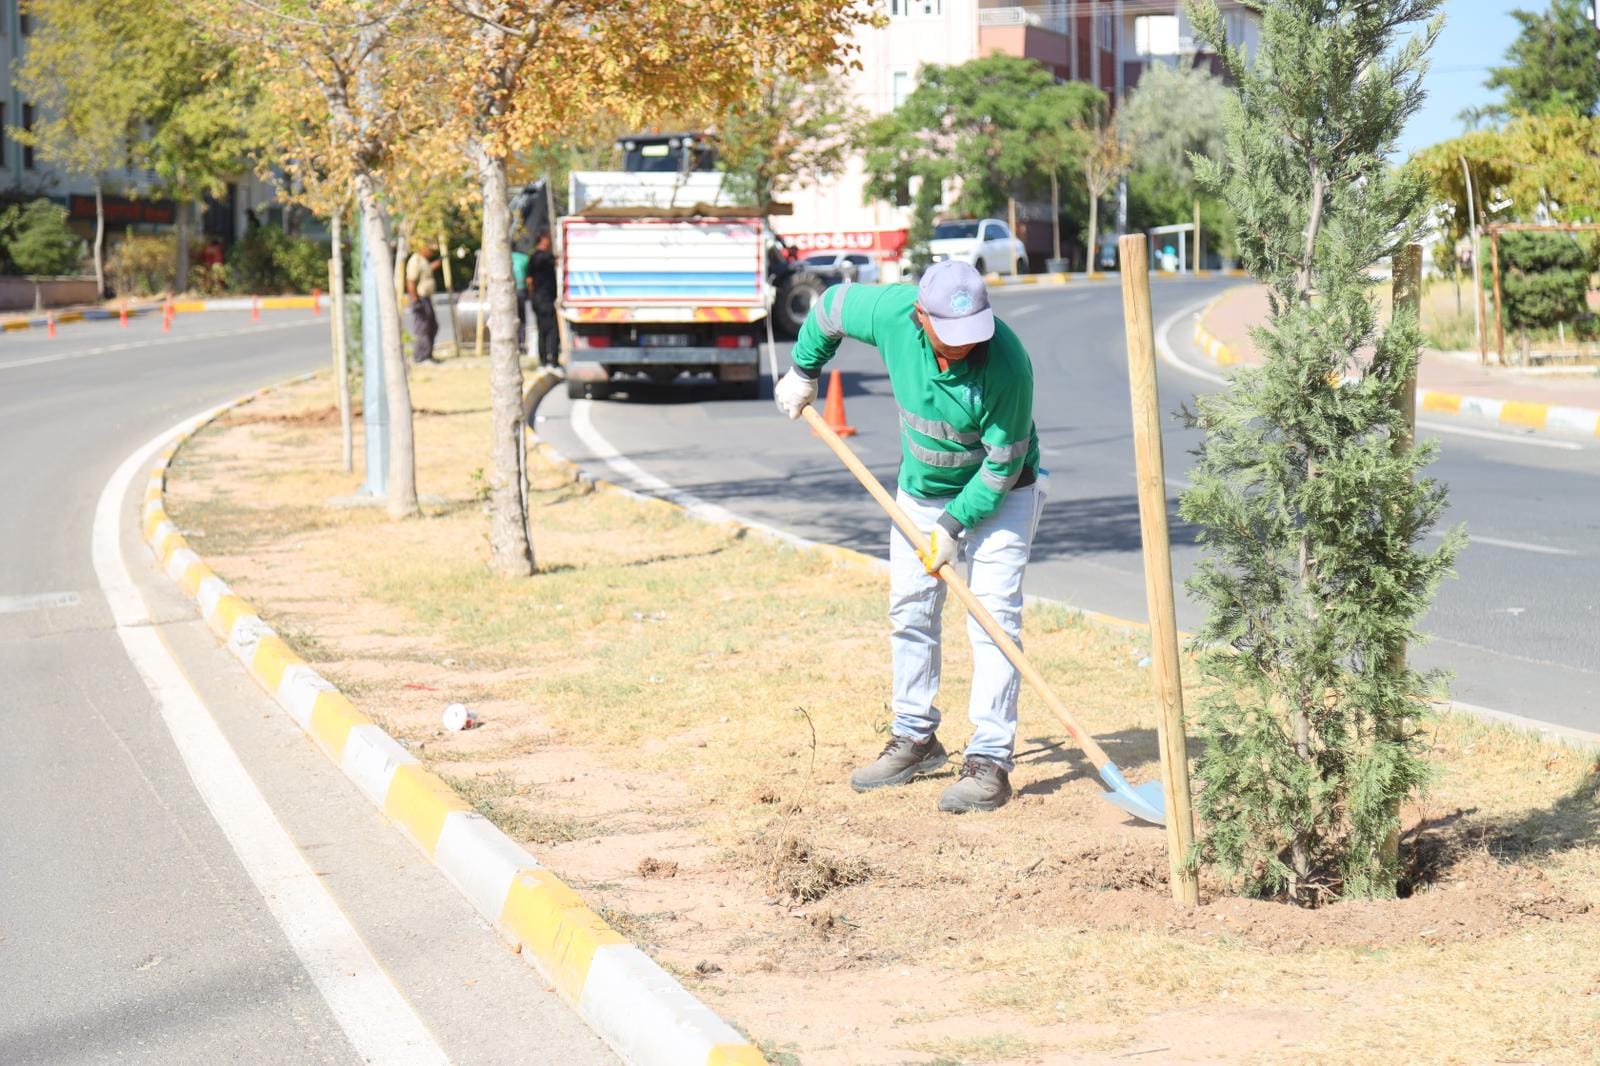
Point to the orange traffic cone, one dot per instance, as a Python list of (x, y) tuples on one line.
[(255, 309), (166, 317), (124, 314), (50, 323), (316, 301), (833, 413)]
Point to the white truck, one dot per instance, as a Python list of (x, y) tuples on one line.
[(661, 276)]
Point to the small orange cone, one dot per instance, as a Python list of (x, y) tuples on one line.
[(316, 301), (255, 309), (166, 317), (124, 315), (50, 323), (833, 413)]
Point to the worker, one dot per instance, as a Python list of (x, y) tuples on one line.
[(970, 478)]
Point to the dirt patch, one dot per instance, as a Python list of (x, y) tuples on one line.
[(638, 733)]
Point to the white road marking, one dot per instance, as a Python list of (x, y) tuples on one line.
[(1507, 438), (1514, 545), (61, 357), (374, 1016), (1168, 356), (37, 601), (641, 481), (1026, 309)]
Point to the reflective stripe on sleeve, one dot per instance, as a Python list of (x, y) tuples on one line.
[(831, 320), (1014, 450)]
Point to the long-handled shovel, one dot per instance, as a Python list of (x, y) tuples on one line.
[(1142, 801)]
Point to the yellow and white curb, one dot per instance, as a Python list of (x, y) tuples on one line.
[(640, 1010), (246, 303), (1520, 414)]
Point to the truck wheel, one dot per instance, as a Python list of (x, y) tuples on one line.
[(739, 390), (588, 390), (979, 267), (795, 300)]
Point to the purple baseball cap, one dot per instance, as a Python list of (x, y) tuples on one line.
[(957, 302)]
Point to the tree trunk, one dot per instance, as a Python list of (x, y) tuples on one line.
[(397, 390), (1055, 219), (1094, 226), (510, 550), (181, 264), (99, 241)]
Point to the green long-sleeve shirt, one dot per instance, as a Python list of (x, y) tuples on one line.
[(966, 432)]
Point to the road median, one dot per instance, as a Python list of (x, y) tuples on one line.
[(669, 711)]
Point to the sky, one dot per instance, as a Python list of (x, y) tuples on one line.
[(1475, 37)]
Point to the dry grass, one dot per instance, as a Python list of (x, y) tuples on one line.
[(678, 692)]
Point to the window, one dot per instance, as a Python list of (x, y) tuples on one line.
[(1155, 35), (858, 260), (1108, 37), (27, 124), (905, 8), (952, 230), (900, 87), (997, 231)]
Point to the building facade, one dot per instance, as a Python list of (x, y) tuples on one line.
[(1107, 43), (129, 194)]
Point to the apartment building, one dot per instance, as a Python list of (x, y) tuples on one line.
[(1107, 43), (128, 196)]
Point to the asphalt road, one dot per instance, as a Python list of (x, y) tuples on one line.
[(1516, 627), (130, 929)]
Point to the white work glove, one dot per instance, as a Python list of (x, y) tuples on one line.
[(794, 392), (941, 549)]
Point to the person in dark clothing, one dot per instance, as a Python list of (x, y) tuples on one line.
[(542, 297)]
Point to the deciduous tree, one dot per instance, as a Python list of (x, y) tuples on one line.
[(525, 73), (335, 76)]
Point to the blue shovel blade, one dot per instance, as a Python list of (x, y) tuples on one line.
[(1144, 802)]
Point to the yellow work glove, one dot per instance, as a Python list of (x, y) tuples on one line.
[(941, 549)]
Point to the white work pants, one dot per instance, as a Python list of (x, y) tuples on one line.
[(994, 553)]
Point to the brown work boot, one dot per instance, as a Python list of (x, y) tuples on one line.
[(903, 758), (982, 786)]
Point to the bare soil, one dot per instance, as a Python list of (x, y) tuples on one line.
[(669, 711)]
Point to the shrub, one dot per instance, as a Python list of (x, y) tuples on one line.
[(143, 265), (270, 260), (38, 240), (1546, 278)]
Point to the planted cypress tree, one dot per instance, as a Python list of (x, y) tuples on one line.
[(1311, 517)]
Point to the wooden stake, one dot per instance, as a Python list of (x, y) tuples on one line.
[(1171, 736), (450, 294), (341, 366), (1011, 217), (1407, 283)]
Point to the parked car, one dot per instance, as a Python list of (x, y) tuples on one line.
[(845, 266), (985, 243)]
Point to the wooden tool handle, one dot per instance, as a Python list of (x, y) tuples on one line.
[(953, 580)]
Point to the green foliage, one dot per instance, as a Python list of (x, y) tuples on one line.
[(981, 120), (142, 265), (1546, 277), (268, 260), (1175, 113), (1551, 66), (1311, 515), (37, 239), (793, 130), (921, 230), (1159, 197)]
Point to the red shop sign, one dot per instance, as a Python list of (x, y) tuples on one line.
[(880, 242)]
